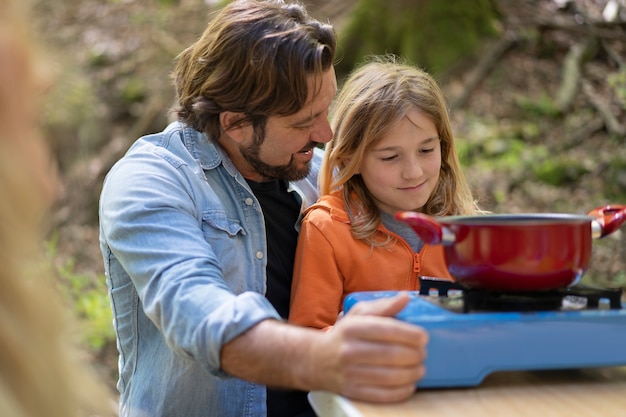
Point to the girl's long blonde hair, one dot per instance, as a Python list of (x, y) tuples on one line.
[(375, 96), (39, 371)]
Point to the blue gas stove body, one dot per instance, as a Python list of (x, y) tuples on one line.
[(464, 348)]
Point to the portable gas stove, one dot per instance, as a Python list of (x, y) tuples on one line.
[(473, 333)]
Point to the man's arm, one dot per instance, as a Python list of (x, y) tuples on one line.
[(368, 355)]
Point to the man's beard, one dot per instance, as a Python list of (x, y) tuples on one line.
[(288, 172)]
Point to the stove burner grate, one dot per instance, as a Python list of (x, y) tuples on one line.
[(477, 300), (456, 297)]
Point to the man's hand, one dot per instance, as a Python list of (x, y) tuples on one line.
[(368, 355), (371, 356)]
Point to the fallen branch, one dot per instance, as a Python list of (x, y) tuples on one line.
[(610, 121), (615, 56), (583, 134), (484, 66), (601, 30), (571, 75)]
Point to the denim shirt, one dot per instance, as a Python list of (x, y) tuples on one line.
[(184, 248)]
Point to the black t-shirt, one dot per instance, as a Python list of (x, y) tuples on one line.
[(281, 210)]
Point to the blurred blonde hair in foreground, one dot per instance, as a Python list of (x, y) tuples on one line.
[(40, 374)]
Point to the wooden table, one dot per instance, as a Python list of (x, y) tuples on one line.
[(597, 392)]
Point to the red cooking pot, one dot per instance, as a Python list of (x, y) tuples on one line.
[(517, 252)]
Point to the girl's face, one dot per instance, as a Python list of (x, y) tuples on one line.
[(402, 169)]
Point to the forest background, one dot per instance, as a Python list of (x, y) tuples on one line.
[(536, 89)]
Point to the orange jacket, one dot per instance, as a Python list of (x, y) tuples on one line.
[(331, 264)]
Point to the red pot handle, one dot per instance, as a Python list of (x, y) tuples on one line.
[(426, 227), (609, 217)]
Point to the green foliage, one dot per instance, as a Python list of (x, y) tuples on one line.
[(134, 91), (615, 175), (619, 280), (97, 58), (557, 171), (617, 81), (72, 101), (544, 105), (499, 146), (86, 294), (433, 34)]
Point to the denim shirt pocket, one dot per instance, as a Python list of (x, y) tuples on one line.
[(217, 220), (228, 239)]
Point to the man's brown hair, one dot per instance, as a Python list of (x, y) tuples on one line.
[(255, 57)]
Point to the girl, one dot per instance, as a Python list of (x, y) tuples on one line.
[(393, 150)]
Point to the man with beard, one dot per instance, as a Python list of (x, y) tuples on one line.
[(198, 226)]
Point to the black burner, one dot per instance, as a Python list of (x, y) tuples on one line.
[(481, 300), (471, 300), (439, 285)]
